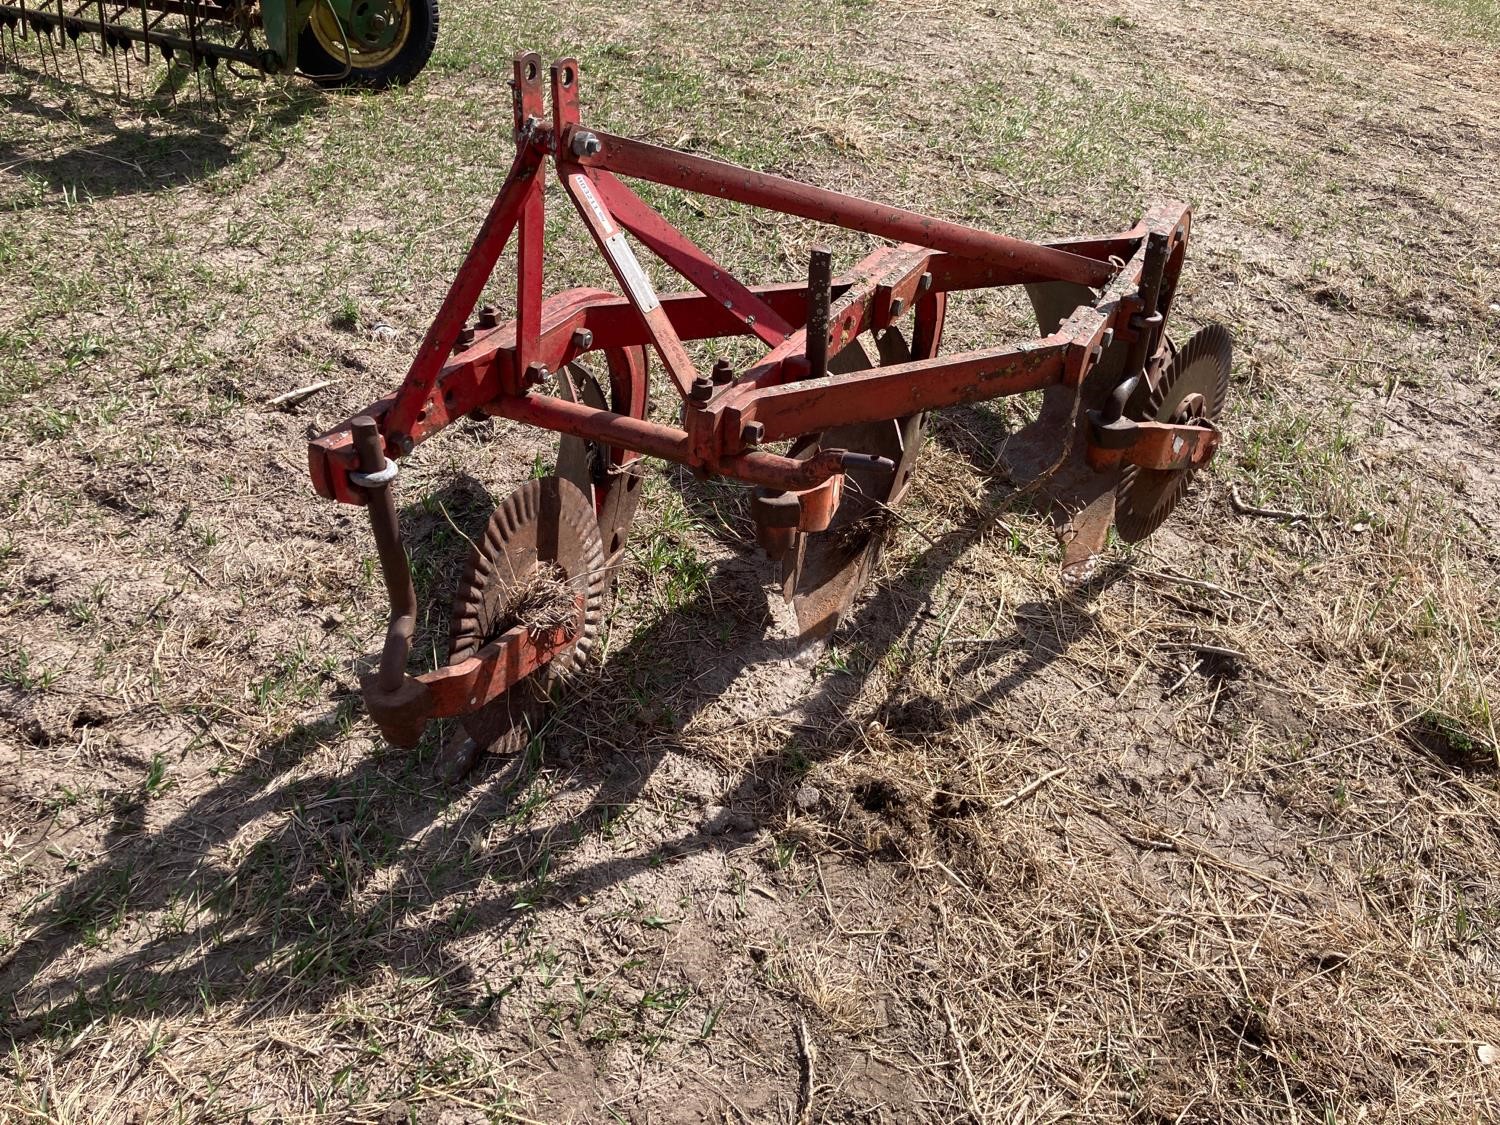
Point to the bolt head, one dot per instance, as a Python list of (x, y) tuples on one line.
[(898, 306), (926, 282), (537, 374), (489, 316), (583, 339), (586, 144), (723, 372), (753, 433), (702, 390)]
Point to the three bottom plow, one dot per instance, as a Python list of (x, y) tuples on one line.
[(826, 427)]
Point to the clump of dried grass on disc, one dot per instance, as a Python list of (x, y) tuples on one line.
[(544, 600)]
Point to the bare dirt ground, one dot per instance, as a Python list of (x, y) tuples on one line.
[(1212, 841)]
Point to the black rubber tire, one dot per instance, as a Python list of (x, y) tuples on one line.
[(316, 63)]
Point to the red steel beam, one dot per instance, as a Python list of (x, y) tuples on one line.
[(683, 255), (1034, 262), (769, 470), (793, 409)]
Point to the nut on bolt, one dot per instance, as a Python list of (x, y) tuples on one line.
[(723, 372), (489, 316), (537, 374), (583, 339), (753, 433), (465, 338), (586, 144), (898, 306), (702, 390)]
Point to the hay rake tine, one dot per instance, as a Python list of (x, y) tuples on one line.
[(853, 423)]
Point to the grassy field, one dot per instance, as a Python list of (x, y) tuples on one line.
[(1213, 841)]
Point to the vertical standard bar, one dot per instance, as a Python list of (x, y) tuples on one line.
[(640, 160), (529, 249), (394, 567), (1153, 265), (819, 290)]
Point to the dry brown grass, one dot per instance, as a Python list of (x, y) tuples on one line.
[(1212, 841)]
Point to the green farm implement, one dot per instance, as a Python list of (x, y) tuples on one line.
[(370, 43)]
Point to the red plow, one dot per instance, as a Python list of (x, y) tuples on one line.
[(825, 427)]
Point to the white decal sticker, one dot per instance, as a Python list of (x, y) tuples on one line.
[(584, 188), (623, 256)]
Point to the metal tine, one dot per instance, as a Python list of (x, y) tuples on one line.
[(213, 83), (171, 81), (54, 37), (194, 60), (44, 41)]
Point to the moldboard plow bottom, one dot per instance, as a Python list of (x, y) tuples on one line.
[(826, 427)]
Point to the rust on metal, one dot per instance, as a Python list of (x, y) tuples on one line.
[(1125, 420)]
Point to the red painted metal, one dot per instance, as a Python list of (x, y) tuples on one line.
[(403, 711), (700, 174), (679, 252), (1108, 294)]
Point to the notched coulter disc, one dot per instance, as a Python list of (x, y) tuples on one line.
[(545, 533), (1194, 384)]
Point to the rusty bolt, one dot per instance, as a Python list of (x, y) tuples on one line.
[(723, 372), (537, 374), (583, 339), (897, 307), (1108, 338), (465, 337), (926, 282), (586, 144), (702, 390), (753, 433), (489, 316), (402, 444)]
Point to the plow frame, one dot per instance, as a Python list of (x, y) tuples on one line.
[(1125, 283)]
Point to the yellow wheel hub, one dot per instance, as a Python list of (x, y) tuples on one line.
[(379, 30)]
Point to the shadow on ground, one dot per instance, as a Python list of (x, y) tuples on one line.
[(128, 145), (296, 907)]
